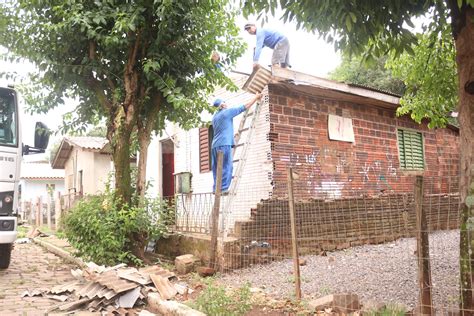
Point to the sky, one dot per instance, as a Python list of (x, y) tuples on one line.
[(308, 54)]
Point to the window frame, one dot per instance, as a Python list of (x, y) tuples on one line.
[(399, 148), (206, 135)]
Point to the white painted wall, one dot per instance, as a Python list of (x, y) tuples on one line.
[(96, 169), (32, 188), (255, 183)]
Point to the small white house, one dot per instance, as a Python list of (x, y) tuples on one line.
[(179, 162), (39, 179), (86, 163)]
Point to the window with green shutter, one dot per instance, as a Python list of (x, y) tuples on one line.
[(410, 148)]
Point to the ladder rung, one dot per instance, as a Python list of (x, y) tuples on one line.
[(244, 129), (236, 160), (239, 145)]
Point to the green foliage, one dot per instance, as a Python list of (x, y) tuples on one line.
[(431, 78), (371, 30), (375, 75), (137, 64), (101, 229), (356, 27), (83, 50), (215, 301), (389, 310)]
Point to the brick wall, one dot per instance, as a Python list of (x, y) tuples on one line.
[(370, 165)]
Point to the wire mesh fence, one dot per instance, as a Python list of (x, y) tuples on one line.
[(351, 241), (353, 235)]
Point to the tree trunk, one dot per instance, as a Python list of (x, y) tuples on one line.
[(465, 63), (144, 138), (145, 127), (120, 143)]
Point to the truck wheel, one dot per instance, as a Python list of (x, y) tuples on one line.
[(5, 254)]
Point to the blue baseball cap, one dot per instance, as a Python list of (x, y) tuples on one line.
[(217, 102)]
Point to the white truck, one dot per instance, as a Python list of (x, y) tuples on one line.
[(11, 150)]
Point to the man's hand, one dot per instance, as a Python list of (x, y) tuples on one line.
[(255, 66), (257, 97)]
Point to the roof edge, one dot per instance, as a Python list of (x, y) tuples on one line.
[(302, 78)]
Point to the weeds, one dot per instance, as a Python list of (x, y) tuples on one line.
[(389, 310), (216, 301)]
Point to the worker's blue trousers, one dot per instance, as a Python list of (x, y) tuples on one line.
[(227, 166)]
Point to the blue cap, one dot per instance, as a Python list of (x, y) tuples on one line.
[(218, 102)]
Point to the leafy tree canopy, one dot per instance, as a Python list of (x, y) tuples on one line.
[(375, 75), (138, 63), (431, 79), (91, 50)]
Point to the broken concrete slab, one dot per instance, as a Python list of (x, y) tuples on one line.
[(170, 308), (342, 303), (205, 271), (186, 263)]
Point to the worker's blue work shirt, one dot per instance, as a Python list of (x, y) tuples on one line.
[(268, 38), (223, 126)]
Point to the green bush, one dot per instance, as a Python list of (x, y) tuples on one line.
[(104, 231), (215, 301)]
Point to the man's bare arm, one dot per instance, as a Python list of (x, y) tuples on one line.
[(257, 97)]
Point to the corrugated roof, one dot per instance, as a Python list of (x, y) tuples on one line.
[(373, 89), (259, 78), (99, 144), (87, 142), (39, 170)]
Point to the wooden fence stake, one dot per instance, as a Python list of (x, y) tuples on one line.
[(294, 241), (423, 251), (37, 211), (48, 212), (23, 210), (57, 210), (40, 208), (31, 215), (215, 212)]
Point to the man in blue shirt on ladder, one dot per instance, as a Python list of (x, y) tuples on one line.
[(274, 40), (223, 125)]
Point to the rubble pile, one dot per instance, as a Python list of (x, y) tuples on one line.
[(116, 289)]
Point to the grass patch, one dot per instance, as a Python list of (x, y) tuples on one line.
[(22, 231)]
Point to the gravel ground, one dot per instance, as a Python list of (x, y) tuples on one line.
[(385, 273)]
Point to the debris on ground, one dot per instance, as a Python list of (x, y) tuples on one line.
[(118, 289), (34, 232)]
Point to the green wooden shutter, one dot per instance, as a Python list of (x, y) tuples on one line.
[(410, 146)]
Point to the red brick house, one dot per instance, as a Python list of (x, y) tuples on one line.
[(379, 151), (355, 158)]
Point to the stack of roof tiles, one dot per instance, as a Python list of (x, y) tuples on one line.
[(115, 290)]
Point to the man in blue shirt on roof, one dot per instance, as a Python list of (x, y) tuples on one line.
[(223, 125), (274, 40)]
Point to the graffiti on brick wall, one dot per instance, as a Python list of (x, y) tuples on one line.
[(328, 171)]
